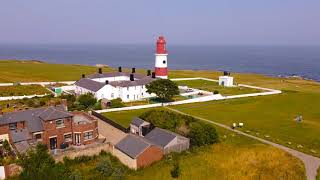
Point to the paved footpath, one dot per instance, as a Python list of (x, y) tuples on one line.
[(311, 163)]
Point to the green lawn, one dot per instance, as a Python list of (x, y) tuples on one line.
[(214, 86), (26, 71), (20, 90), (124, 118), (318, 176), (269, 116), (235, 157)]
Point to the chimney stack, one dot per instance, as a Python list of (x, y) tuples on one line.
[(149, 72), (107, 82), (83, 76), (100, 71), (131, 77), (119, 69), (226, 73), (133, 70), (64, 103), (153, 75)]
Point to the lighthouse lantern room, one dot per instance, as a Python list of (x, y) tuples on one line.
[(161, 68)]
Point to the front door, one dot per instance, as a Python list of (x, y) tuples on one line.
[(77, 138), (53, 143)]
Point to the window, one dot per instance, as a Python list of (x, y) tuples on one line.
[(128, 96), (38, 136), (88, 135), (13, 126), (141, 94), (67, 137), (59, 123), (164, 62), (128, 88), (112, 95)]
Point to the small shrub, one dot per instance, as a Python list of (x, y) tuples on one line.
[(104, 167), (175, 172), (215, 92), (116, 103), (202, 134)]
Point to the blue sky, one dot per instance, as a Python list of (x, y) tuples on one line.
[(230, 22)]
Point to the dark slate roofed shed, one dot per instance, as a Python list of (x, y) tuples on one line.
[(90, 84), (137, 121), (160, 137), (132, 145)]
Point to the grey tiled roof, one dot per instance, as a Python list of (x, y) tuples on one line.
[(34, 117), (22, 146), (52, 113), (160, 137), (132, 145), (137, 82), (137, 121), (90, 84), (113, 74), (20, 135)]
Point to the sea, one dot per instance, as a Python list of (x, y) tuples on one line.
[(301, 61)]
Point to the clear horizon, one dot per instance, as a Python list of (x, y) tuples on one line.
[(245, 23)]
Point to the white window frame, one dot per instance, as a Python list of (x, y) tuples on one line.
[(67, 139), (59, 125), (88, 137)]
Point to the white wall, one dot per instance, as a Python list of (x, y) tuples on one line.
[(159, 61)]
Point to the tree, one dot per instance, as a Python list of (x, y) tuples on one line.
[(38, 164), (87, 100), (165, 89), (202, 134)]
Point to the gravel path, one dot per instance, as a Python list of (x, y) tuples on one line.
[(311, 163)]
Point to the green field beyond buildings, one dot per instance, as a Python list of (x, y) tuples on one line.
[(214, 86), (21, 90)]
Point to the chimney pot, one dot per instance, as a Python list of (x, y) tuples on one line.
[(100, 71), (83, 76), (133, 70), (153, 75), (131, 77), (119, 69), (107, 82), (149, 73)]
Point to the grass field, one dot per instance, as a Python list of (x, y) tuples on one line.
[(318, 177), (21, 90), (28, 71), (235, 157), (270, 117), (214, 86)]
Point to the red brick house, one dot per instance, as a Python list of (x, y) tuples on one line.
[(53, 126)]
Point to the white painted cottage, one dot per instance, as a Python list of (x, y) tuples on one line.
[(127, 86)]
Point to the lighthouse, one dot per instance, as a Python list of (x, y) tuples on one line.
[(161, 63)]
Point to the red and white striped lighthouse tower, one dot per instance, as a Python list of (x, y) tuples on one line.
[(161, 68)]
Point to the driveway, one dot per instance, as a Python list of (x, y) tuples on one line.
[(112, 134)]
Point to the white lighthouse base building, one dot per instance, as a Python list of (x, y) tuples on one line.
[(226, 81)]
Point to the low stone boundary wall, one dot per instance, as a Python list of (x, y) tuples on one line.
[(20, 97), (109, 121), (39, 83), (87, 151)]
